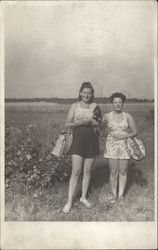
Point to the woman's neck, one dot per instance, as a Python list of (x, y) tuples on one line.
[(117, 112), (85, 104)]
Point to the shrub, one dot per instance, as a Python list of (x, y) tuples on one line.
[(27, 163)]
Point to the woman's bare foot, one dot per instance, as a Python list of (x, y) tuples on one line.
[(120, 198), (85, 202), (67, 207), (112, 199)]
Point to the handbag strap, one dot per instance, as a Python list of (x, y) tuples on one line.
[(69, 130)]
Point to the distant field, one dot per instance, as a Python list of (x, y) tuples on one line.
[(45, 121), (50, 117), (49, 107)]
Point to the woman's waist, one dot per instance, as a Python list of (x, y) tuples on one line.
[(114, 133), (117, 131), (84, 129), (83, 116)]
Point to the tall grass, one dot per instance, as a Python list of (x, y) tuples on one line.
[(47, 206)]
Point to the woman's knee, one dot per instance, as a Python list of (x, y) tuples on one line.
[(87, 172), (123, 172), (113, 172), (88, 166), (76, 173)]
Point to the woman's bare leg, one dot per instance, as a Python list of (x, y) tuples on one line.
[(86, 180), (113, 164), (77, 162), (123, 166)]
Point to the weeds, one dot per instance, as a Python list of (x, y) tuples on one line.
[(36, 186)]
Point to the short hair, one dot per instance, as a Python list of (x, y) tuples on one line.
[(86, 85), (119, 95)]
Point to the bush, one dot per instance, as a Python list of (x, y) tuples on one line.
[(27, 163)]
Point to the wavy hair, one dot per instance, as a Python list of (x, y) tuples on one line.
[(86, 85), (119, 95)]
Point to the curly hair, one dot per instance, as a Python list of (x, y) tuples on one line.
[(119, 95), (86, 85)]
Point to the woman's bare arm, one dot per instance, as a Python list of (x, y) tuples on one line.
[(104, 120), (132, 126)]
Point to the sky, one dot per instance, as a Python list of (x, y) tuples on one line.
[(52, 47)]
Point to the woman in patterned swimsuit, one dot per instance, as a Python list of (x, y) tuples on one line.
[(121, 126), (85, 145)]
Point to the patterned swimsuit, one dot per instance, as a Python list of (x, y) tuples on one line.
[(116, 149), (84, 113)]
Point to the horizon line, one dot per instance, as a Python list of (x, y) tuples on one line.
[(71, 98)]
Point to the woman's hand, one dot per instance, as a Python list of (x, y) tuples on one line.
[(120, 135), (69, 125), (89, 122), (86, 122), (94, 123)]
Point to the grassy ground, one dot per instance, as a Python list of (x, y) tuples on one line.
[(139, 199)]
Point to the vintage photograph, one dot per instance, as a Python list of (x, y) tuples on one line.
[(79, 120)]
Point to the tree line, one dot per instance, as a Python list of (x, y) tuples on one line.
[(71, 100)]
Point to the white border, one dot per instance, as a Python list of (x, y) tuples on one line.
[(73, 235), (155, 110)]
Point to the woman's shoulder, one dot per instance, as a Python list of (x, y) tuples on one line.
[(127, 115), (107, 115), (93, 105), (74, 105)]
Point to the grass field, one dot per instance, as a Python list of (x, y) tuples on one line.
[(47, 121)]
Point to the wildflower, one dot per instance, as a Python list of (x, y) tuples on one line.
[(28, 157), (35, 195)]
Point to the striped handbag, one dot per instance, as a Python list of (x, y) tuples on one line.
[(63, 143), (135, 148)]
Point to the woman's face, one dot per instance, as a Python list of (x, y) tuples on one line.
[(86, 94), (117, 104)]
